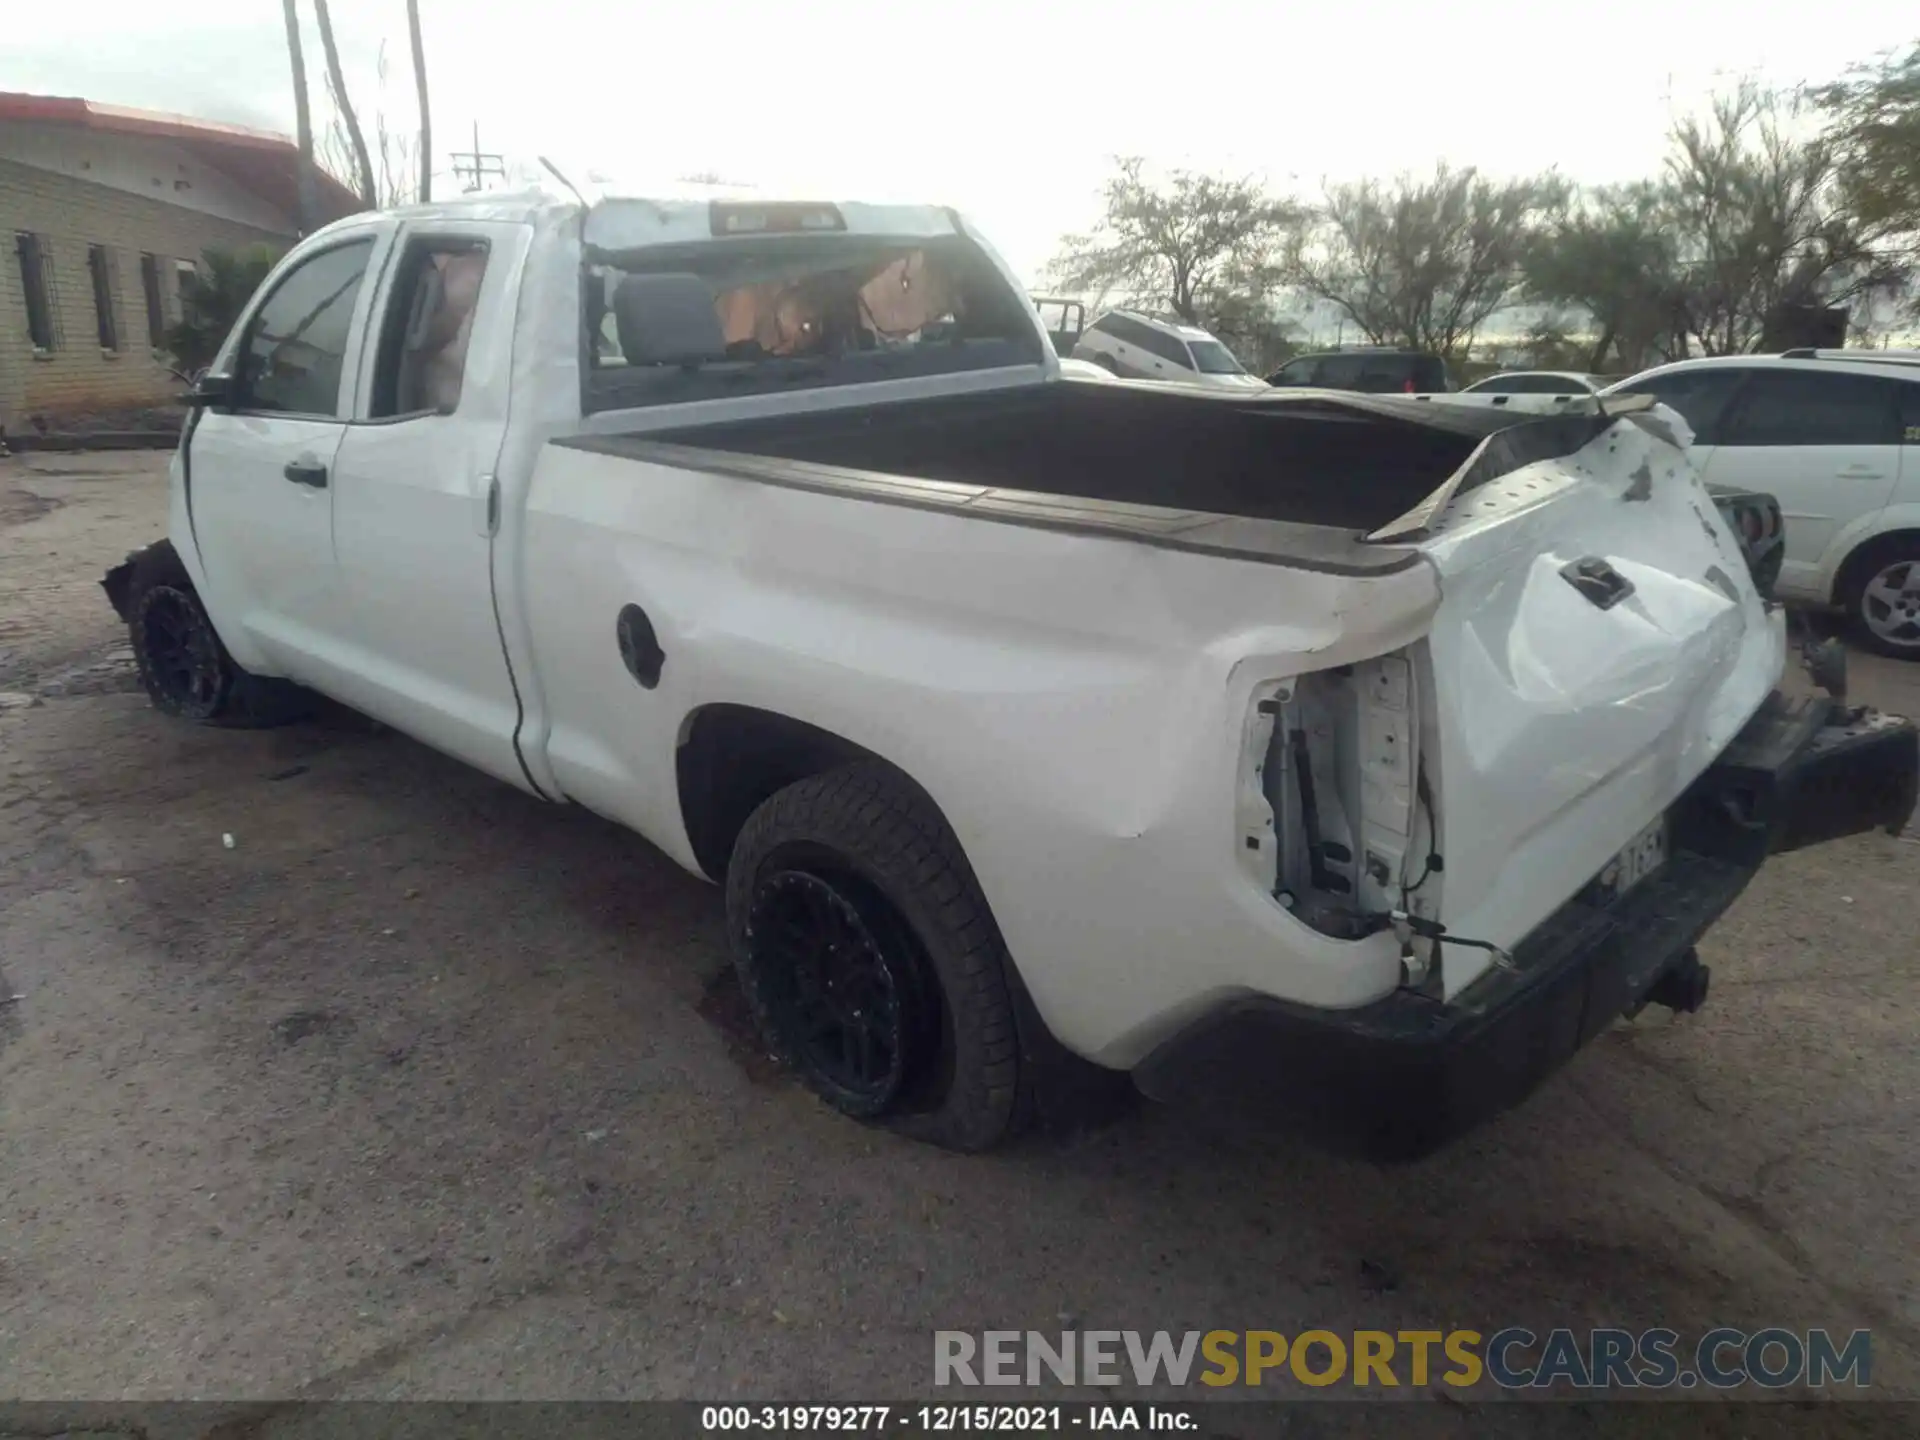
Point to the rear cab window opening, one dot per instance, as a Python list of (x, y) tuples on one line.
[(767, 312)]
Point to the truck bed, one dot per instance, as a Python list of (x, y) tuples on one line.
[(1346, 464)]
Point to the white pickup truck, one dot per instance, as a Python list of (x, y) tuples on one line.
[(1351, 758)]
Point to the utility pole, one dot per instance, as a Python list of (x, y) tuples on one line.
[(476, 166)]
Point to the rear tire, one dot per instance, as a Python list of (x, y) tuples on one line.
[(1881, 594), (860, 935), (183, 667)]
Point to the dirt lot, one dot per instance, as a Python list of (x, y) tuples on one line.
[(425, 1089)]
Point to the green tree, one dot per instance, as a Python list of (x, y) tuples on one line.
[(1422, 262), (1242, 313), (1610, 256), (1874, 117), (211, 301), (1186, 246)]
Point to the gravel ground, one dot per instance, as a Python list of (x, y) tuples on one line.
[(424, 1089)]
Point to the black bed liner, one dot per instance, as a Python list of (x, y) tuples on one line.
[(1297, 478)]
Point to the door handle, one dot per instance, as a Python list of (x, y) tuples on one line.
[(1860, 472), (306, 472)]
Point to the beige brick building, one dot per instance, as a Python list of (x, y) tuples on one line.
[(101, 210)]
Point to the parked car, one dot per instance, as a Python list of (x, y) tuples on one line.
[(1370, 370), (1308, 751), (1537, 382), (1834, 436), (1135, 346)]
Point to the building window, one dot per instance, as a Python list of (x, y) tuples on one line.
[(100, 268), (156, 302), (36, 285)]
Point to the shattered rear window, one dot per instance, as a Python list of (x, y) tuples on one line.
[(798, 310)]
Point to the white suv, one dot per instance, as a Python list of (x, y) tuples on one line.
[(1142, 347), (1834, 436)]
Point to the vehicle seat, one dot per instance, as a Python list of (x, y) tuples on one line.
[(417, 345), (599, 347), (667, 319)]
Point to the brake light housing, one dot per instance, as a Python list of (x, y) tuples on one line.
[(1755, 521)]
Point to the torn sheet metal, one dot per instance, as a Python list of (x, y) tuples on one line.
[(1565, 725), (1557, 428)]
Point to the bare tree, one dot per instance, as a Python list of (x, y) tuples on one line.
[(337, 87), (420, 90), (1183, 246), (1423, 263), (1759, 213), (393, 153), (303, 122)]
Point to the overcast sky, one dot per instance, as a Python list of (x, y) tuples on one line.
[(1010, 111)]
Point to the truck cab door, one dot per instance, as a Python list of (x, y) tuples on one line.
[(415, 503), (261, 505)]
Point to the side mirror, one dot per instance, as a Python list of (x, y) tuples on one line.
[(209, 391)]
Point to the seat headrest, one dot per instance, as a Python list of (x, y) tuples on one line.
[(667, 320)]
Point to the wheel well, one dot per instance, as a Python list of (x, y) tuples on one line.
[(735, 757), (118, 582), (1864, 553)]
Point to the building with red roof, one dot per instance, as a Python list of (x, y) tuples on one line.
[(102, 210)]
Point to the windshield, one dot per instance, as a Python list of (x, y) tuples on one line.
[(1210, 357), (674, 323)]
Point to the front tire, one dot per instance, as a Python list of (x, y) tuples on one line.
[(183, 667), (1882, 599), (871, 962)]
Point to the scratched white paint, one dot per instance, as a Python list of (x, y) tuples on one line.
[(1079, 706)]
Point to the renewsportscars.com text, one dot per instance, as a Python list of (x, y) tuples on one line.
[(1512, 1358)]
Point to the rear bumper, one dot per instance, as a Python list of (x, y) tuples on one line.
[(1398, 1078)]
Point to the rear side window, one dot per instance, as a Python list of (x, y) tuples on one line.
[(1910, 413), (1340, 372), (423, 339), (296, 343), (1805, 407), (1295, 372), (1126, 329), (1170, 348), (1130, 331), (1700, 396), (1382, 374)]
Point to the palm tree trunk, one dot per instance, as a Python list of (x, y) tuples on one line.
[(363, 162), (303, 120), (426, 116)]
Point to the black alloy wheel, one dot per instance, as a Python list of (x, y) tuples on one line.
[(185, 671), (840, 985)]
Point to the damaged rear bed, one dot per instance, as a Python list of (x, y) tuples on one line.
[(1346, 464)]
